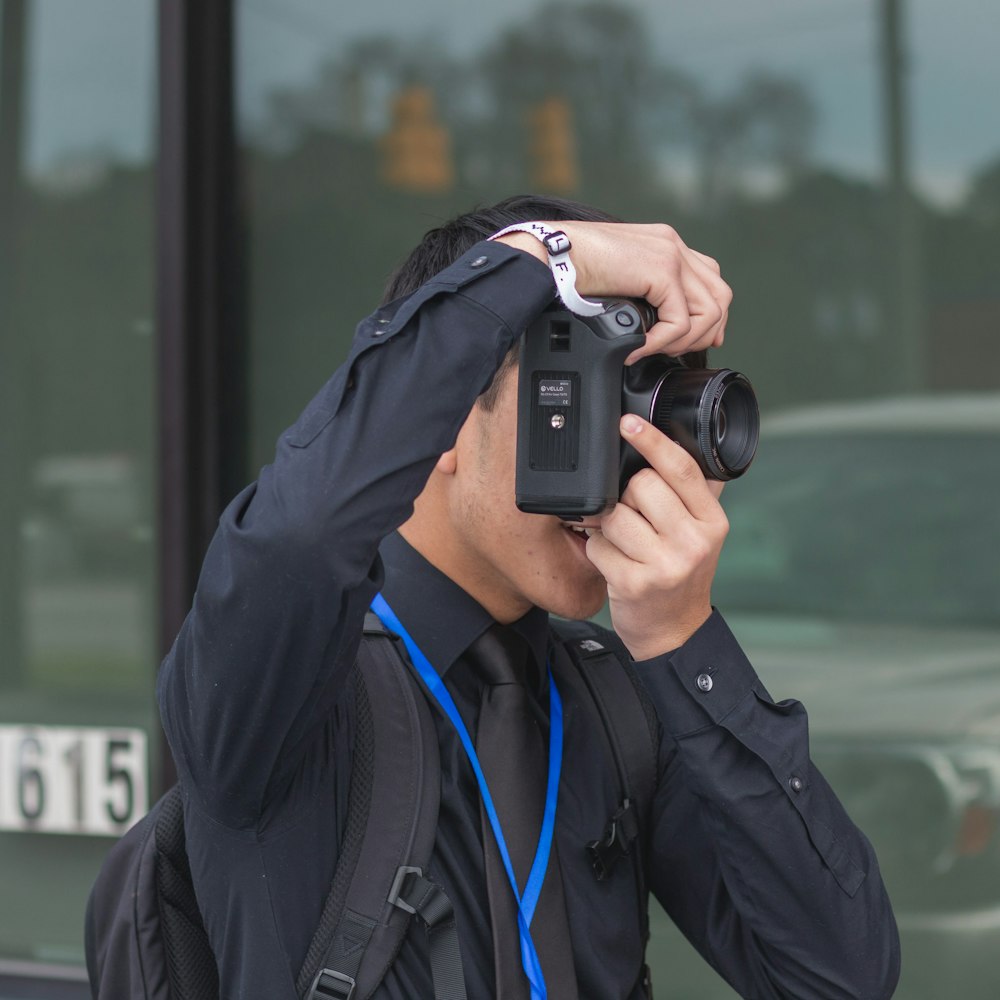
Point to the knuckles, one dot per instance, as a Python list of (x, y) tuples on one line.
[(714, 313), (666, 232), (640, 484), (686, 468), (672, 462), (699, 550)]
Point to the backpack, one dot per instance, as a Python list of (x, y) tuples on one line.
[(144, 937)]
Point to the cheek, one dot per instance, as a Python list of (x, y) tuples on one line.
[(523, 546)]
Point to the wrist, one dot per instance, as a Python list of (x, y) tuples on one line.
[(526, 243), (649, 645), (556, 245)]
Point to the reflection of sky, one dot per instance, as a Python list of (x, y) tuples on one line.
[(92, 76), (91, 79)]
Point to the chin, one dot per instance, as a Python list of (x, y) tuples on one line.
[(577, 604)]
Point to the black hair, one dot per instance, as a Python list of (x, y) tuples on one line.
[(444, 244)]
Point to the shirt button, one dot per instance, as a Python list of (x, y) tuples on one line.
[(796, 783), (480, 261), (704, 683)]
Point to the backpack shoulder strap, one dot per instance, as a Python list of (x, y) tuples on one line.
[(143, 933), (631, 731), (379, 880), (191, 967), (148, 941), (629, 720), (123, 956)]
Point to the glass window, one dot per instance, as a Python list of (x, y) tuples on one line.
[(77, 545), (842, 161)]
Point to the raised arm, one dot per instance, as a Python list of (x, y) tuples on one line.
[(274, 628), (276, 620)]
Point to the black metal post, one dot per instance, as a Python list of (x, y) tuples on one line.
[(199, 308), (13, 417)]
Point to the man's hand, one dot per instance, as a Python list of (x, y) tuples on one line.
[(650, 262), (659, 547)]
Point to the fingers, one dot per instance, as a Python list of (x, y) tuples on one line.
[(658, 501), (652, 262), (611, 562), (706, 299), (719, 289), (627, 530), (658, 548), (672, 471), (690, 296)]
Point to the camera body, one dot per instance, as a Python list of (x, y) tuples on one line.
[(573, 388), (568, 406)]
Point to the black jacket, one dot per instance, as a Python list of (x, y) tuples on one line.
[(750, 851)]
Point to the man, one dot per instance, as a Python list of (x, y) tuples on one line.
[(398, 478)]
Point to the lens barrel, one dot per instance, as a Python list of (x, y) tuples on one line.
[(711, 413)]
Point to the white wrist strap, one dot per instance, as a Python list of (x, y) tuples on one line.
[(558, 246)]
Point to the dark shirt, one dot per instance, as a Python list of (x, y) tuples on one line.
[(750, 852)]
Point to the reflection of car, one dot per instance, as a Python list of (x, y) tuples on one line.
[(862, 575), (84, 514)]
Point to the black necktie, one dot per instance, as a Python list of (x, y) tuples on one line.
[(513, 757)]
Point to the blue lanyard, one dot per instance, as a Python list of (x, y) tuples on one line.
[(525, 903)]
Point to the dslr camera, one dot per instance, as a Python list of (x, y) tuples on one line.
[(573, 389)]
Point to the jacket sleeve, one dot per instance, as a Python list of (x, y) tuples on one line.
[(751, 853), (276, 620)]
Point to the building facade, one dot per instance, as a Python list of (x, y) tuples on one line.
[(199, 201)]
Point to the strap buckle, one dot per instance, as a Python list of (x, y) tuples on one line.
[(413, 892), (556, 243), (619, 834), (331, 985), (401, 886)]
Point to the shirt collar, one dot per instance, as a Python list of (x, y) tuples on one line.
[(443, 619)]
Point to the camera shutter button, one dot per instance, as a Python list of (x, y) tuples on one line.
[(624, 318)]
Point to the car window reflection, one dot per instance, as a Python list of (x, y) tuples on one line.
[(869, 527)]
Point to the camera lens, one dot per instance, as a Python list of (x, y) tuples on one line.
[(711, 413), (737, 426)]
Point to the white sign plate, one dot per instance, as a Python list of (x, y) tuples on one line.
[(63, 779)]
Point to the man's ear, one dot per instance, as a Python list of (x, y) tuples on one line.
[(448, 462)]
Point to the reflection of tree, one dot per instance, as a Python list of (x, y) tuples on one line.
[(961, 275), (353, 90), (596, 57), (983, 200), (808, 269), (573, 99), (766, 124), (589, 65)]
